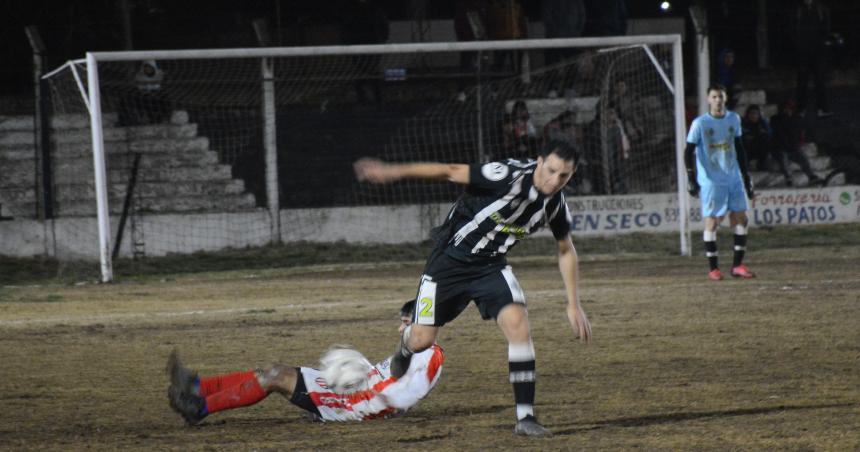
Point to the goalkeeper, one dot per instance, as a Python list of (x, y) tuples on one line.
[(195, 397), (717, 167)]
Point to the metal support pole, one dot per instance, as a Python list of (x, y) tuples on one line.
[(680, 144), (271, 145), (101, 180)]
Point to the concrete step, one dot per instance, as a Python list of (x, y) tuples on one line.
[(767, 179), (172, 175), (17, 195), (116, 162), (62, 121), (214, 187), (81, 121), (70, 150), (228, 203), (25, 161)]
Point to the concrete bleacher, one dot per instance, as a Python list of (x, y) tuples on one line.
[(773, 178), (178, 172)]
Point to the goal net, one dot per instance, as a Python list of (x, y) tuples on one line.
[(215, 149)]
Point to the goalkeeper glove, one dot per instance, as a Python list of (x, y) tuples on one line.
[(692, 184), (748, 185)]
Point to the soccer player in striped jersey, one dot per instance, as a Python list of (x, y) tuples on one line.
[(503, 202), (717, 167), (195, 397)]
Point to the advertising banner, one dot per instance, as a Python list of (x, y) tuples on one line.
[(658, 212)]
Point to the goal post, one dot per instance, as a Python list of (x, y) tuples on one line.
[(448, 130)]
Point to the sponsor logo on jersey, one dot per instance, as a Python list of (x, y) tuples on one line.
[(513, 229), (494, 171)]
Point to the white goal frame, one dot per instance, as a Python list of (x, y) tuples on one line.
[(675, 85)]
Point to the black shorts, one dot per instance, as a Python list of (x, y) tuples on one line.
[(301, 398), (448, 285)]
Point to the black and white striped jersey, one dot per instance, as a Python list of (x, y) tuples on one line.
[(501, 206)]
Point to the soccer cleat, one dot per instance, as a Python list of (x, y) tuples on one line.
[(189, 406), (181, 377), (742, 271), (715, 275), (529, 426)]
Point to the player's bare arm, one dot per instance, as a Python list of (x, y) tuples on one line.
[(379, 172), (568, 264)]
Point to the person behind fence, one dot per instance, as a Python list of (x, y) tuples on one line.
[(148, 103), (812, 26), (470, 24), (618, 149), (787, 141), (562, 19), (757, 136), (195, 397), (506, 20), (727, 76), (519, 134)]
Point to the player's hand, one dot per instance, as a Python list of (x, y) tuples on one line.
[(693, 188), (372, 170), (579, 322)]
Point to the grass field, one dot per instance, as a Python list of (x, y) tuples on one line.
[(678, 362)]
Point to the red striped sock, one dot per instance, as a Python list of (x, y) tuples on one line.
[(218, 383), (244, 394)]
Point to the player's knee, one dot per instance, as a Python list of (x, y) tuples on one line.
[(514, 318), (275, 377)]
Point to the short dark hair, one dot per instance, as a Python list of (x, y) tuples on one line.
[(716, 87), (561, 149), (408, 308)]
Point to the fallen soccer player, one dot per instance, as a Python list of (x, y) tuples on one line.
[(196, 397)]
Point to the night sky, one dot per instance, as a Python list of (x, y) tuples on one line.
[(70, 28)]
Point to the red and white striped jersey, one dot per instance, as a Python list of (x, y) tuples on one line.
[(387, 397)]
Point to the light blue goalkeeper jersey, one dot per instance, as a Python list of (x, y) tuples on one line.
[(716, 156)]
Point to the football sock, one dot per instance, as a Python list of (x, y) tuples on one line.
[(740, 244), (711, 248), (217, 383), (521, 365), (403, 355), (246, 393)]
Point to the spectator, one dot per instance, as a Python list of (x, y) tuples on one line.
[(562, 128), (607, 149), (727, 76), (628, 110), (519, 133), (756, 136), (812, 26), (364, 22), (506, 20), (787, 138), (618, 150), (562, 19), (470, 24), (148, 104)]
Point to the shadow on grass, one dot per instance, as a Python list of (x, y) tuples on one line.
[(642, 421)]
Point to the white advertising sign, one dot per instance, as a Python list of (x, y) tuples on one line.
[(658, 212)]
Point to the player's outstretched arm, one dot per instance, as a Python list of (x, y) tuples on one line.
[(379, 172), (568, 264)]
